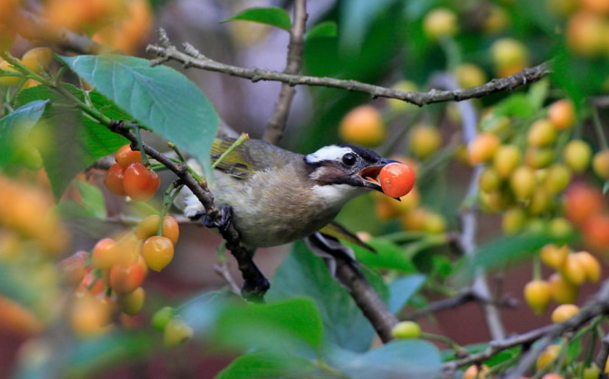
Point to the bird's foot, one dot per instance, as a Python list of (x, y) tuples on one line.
[(221, 221), (253, 289)]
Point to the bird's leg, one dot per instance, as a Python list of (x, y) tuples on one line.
[(255, 284)]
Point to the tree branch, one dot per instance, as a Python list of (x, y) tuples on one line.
[(440, 305), (193, 58), (276, 125)]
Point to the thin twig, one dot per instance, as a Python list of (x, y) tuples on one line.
[(222, 270), (601, 358), (276, 126), (192, 58), (441, 305)]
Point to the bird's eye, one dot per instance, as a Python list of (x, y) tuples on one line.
[(349, 159)]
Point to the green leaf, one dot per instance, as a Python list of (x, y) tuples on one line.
[(92, 198), (358, 16), (326, 29), (389, 255), (286, 326), (402, 289), (159, 98), (273, 16), (397, 359), (15, 129), (68, 141), (266, 365), (304, 274), (517, 105), (538, 93)]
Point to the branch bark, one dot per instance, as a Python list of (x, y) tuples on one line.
[(193, 58), (276, 126)]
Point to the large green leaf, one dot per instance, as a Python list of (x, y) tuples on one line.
[(326, 29), (270, 16), (159, 98), (402, 289), (91, 198), (304, 274), (410, 359), (289, 326), (266, 365), (389, 255), (68, 141), (15, 129)]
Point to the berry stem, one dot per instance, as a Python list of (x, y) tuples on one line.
[(596, 121), (173, 147), (140, 145), (170, 194), (452, 344), (242, 138), (536, 268)]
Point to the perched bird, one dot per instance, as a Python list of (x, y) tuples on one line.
[(278, 196)]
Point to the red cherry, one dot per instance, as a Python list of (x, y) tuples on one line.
[(140, 183), (396, 179), (125, 279), (125, 156), (115, 179)]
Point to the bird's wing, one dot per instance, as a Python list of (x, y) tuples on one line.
[(336, 230), (249, 157)]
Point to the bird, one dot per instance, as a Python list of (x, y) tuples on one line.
[(277, 196)]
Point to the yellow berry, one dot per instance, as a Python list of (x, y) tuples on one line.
[(564, 312)]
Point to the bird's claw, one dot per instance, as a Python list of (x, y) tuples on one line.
[(253, 290), (221, 221)]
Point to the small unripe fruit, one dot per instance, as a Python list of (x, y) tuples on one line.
[(406, 330), (539, 157), (132, 303), (473, 372), (577, 154), (425, 140), (564, 312), (547, 356), (506, 159), (600, 164), (537, 294), (482, 148), (557, 179), (434, 223), (513, 221), (363, 126), (573, 270), (177, 332), (591, 372), (469, 75), (560, 228), (542, 133), (541, 200), (507, 52), (162, 317), (440, 22), (554, 256), (592, 267), (562, 114), (496, 21), (562, 291), (489, 180), (523, 182)]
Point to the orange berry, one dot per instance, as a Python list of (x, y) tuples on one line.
[(115, 179), (482, 148), (363, 126), (554, 256), (105, 254), (37, 58), (8, 81), (595, 6), (596, 232), (149, 226), (396, 179), (125, 156), (562, 114), (564, 312), (158, 252), (577, 154), (552, 376), (473, 372), (537, 294), (586, 33), (126, 278), (582, 201), (140, 183)]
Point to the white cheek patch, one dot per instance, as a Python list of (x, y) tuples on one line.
[(336, 195), (328, 153)]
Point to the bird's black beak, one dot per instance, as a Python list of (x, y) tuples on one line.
[(370, 174)]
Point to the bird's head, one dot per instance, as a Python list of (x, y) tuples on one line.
[(344, 171)]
